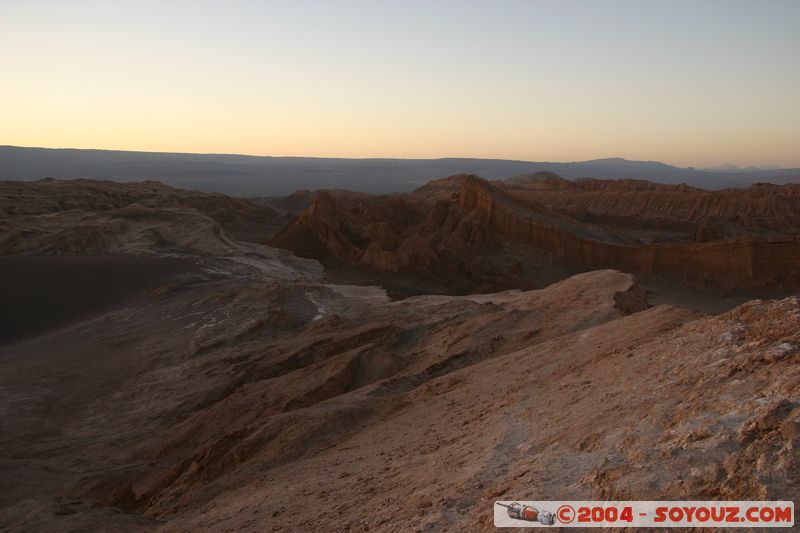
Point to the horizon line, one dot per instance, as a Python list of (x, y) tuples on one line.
[(719, 166)]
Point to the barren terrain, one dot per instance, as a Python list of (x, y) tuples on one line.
[(225, 384)]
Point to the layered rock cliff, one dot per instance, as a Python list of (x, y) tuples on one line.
[(774, 261), (760, 210)]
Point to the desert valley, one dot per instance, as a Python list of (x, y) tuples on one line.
[(342, 266), (180, 360)]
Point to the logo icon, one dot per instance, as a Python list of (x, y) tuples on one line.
[(529, 514)]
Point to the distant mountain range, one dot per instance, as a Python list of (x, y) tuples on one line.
[(243, 175), (734, 168)]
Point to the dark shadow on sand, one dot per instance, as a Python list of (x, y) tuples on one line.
[(40, 293)]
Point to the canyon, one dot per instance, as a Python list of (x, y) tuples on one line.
[(530, 232)]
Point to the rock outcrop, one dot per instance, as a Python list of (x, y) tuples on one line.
[(471, 232), (197, 407), (58, 217)]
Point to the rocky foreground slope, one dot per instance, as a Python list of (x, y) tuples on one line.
[(230, 404)]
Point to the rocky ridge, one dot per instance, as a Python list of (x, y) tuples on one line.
[(50, 217), (467, 231), (415, 414)]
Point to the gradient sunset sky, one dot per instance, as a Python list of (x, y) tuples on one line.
[(686, 82)]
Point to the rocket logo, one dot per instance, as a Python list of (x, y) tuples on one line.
[(528, 513)]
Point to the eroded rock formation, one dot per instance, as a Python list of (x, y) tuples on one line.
[(83, 216), (464, 226)]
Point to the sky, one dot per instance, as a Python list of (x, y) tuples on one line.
[(692, 83)]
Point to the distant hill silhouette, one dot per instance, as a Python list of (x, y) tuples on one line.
[(242, 175)]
